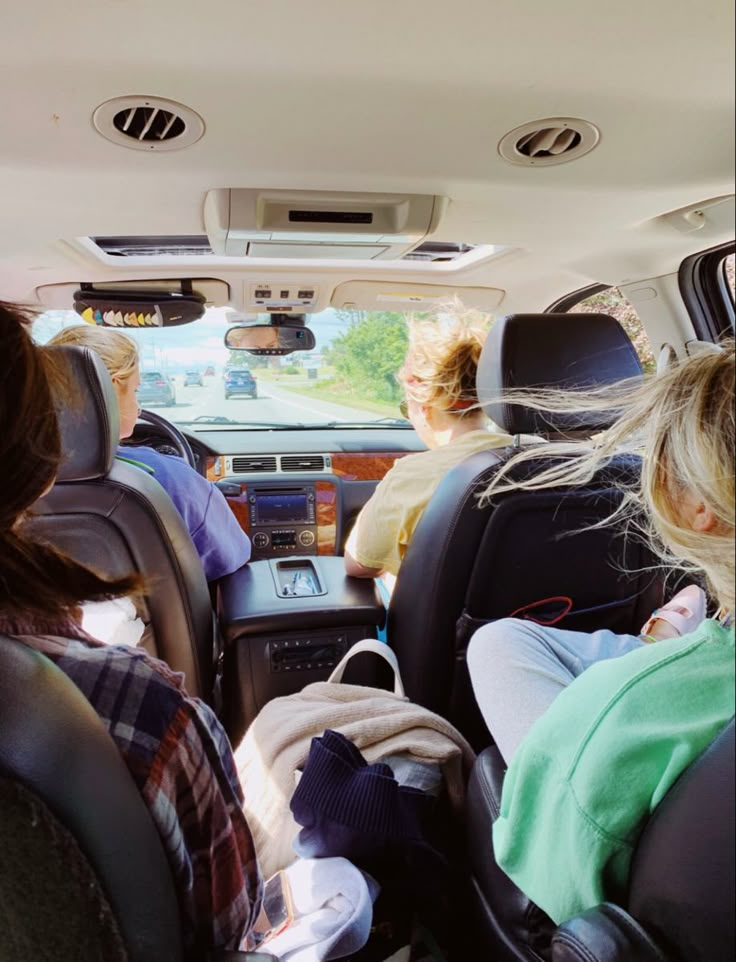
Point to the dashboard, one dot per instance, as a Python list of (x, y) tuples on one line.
[(294, 492)]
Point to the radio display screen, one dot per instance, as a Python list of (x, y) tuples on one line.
[(279, 508)]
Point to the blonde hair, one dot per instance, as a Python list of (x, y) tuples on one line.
[(118, 351), (442, 359), (682, 423)]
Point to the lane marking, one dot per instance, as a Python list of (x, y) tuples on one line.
[(305, 407)]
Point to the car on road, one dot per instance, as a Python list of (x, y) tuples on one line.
[(240, 381), (193, 378), (156, 389)]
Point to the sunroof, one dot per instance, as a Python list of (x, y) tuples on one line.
[(184, 245), (188, 245), (438, 251)]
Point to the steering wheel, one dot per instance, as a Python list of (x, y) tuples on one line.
[(173, 433)]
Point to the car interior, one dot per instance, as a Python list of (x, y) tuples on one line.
[(261, 194)]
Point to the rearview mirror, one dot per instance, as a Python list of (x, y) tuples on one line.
[(144, 307), (269, 339)]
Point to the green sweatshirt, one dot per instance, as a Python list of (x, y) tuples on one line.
[(594, 767)]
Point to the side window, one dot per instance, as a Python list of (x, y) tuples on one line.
[(729, 274), (706, 283), (612, 301)]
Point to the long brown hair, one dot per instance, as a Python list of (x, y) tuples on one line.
[(37, 581)]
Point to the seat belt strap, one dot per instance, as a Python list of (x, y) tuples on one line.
[(136, 464)]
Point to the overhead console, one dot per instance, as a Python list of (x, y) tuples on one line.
[(242, 222)]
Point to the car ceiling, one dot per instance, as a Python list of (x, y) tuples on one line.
[(383, 96)]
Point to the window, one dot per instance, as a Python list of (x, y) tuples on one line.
[(349, 377), (610, 300), (729, 271), (707, 286)]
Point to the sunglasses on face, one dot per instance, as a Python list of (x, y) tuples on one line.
[(404, 409)]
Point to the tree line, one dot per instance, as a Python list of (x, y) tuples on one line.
[(367, 357)]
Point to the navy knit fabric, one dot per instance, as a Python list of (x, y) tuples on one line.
[(359, 811)]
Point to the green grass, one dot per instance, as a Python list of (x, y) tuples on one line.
[(324, 393), (326, 388), (329, 390)]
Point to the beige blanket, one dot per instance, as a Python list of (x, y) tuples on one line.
[(377, 722)]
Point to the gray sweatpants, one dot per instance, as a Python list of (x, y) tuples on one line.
[(518, 668)]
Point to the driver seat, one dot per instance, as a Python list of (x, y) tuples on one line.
[(117, 519)]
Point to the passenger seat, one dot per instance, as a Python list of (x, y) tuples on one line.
[(527, 551)]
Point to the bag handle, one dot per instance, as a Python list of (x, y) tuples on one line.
[(379, 648)]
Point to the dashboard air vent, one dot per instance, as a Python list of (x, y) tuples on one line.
[(303, 462), (250, 465)]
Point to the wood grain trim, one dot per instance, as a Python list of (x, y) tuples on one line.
[(364, 467), (326, 517), (239, 507), (213, 475)]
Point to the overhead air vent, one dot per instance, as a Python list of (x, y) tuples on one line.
[(544, 143), (148, 123), (303, 462), (437, 252), (251, 465), (245, 222), (184, 245)]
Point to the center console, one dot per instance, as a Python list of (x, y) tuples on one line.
[(283, 519), (287, 622)]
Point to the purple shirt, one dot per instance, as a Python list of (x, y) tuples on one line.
[(221, 543)]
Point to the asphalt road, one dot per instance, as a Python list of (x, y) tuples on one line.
[(274, 403)]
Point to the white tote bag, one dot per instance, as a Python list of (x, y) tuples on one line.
[(378, 722)]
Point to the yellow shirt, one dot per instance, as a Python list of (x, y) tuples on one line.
[(386, 524)]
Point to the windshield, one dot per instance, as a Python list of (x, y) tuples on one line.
[(349, 377)]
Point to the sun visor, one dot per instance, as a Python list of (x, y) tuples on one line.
[(216, 293), (392, 296)]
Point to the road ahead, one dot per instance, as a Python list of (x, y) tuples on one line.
[(274, 403)]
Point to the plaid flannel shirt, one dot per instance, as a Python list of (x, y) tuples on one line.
[(183, 765)]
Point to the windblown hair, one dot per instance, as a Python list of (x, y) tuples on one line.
[(442, 360), (682, 423), (119, 352), (37, 581)]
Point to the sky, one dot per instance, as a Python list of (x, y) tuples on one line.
[(191, 346)]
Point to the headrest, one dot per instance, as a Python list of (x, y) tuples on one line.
[(89, 421), (569, 351)]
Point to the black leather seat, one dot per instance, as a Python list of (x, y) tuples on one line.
[(467, 565), (83, 874), (117, 518), (681, 890), (54, 745)]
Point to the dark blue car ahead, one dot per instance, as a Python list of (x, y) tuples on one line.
[(240, 381)]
